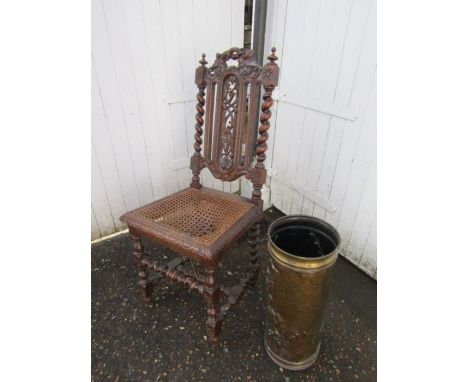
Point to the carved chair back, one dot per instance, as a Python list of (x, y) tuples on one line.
[(230, 117)]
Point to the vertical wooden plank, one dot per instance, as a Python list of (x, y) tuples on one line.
[(277, 190), (358, 30), (316, 125), (109, 88), (363, 219), (235, 186), (226, 186), (174, 71), (115, 19), (201, 30), (294, 71), (155, 40), (358, 97), (368, 261), (151, 129), (318, 14), (364, 75), (324, 78), (329, 39), (308, 145), (95, 233), (295, 127), (282, 141), (190, 111), (106, 177), (364, 156), (99, 199), (343, 170), (313, 14), (219, 42), (189, 63), (226, 24), (289, 118), (237, 23)]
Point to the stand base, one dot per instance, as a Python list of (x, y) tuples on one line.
[(308, 362)]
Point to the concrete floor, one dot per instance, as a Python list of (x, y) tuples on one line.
[(166, 341)]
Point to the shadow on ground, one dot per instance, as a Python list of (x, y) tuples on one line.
[(166, 341)]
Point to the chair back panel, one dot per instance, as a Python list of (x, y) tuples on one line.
[(231, 106)]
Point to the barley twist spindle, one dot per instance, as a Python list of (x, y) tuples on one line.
[(253, 237), (200, 81), (271, 76)]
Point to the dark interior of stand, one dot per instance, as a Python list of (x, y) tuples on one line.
[(303, 239)]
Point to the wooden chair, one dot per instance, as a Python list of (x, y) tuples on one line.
[(200, 223)]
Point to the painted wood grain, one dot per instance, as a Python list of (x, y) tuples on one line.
[(146, 93), (102, 212), (107, 80)]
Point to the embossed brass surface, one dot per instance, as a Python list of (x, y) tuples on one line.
[(297, 288)]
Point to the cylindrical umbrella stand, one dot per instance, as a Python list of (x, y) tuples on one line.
[(302, 252)]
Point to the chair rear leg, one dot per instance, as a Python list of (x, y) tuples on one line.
[(211, 295), (144, 286), (253, 238)]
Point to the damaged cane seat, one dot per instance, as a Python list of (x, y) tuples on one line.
[(201, 223)]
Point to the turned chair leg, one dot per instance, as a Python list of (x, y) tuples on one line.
[(211, 295), (144, 286), (253, 238)]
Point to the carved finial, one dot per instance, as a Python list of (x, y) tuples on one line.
[(203, 61), (272, 57)]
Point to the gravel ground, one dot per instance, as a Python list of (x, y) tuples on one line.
[(166, 341)]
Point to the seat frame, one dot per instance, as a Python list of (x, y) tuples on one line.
[(227, 155)]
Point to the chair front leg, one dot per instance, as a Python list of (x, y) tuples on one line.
[(144, 286), (211, 295), (253, 238)]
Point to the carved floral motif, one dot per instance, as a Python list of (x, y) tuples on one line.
[(230, 100), (247, 66), (217, 69)]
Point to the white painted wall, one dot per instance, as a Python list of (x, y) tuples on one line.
[(144, 55), (322, 143)]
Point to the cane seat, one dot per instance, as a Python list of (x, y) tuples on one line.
[(198, 222)]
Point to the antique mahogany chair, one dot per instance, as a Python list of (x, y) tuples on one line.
[(200, 223)]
